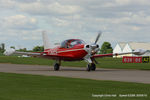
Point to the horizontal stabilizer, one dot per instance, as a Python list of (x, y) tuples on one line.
[(9, 51)]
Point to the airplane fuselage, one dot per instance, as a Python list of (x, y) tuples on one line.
[(67, 54)]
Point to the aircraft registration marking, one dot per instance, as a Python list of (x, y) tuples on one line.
[(52, 52)]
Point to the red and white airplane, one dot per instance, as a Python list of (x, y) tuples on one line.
[(71, 50)]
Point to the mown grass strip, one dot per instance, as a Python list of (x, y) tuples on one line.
[(34, 87)]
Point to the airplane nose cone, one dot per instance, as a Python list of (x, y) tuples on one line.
[(94, 46), (92, 49)]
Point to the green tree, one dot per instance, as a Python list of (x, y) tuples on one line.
[(106, 48), (23, 50), (38, 48), (12, 47), (2, 47)]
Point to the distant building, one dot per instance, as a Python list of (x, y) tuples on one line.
[(131, 46)]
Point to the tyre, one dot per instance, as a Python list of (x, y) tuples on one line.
[(93, 66), (56, 67)]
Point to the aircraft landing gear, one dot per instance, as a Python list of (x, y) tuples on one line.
[(91, 66), (56, 66)]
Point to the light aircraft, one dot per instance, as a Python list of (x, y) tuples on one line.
[(71, 50)]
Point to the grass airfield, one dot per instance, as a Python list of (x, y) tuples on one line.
[(35, 87), (103, 62)]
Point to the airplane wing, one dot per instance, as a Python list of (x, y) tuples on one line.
[(29, 53), (102, 55), (136, 52), (13, 51), (110, 55)]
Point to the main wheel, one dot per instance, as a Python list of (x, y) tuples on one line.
[(56, 67), (93, 66)]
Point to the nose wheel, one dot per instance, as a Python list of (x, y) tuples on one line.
[(56, 67), (91, 66)]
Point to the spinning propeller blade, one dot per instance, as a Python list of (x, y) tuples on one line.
[(98, 36)]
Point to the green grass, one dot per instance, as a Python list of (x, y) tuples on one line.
[(103, 62), (34, 87), (24, 60), (1, 54)]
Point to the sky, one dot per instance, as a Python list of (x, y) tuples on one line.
[(22, 21)]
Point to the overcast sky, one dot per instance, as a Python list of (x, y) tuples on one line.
[(22, 21)]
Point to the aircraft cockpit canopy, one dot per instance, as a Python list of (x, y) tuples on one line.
[(71, 43)]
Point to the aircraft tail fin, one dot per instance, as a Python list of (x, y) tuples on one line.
[(45, 40)]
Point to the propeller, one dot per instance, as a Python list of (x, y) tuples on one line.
[(92, 49), (98, 36), (95, 46)]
